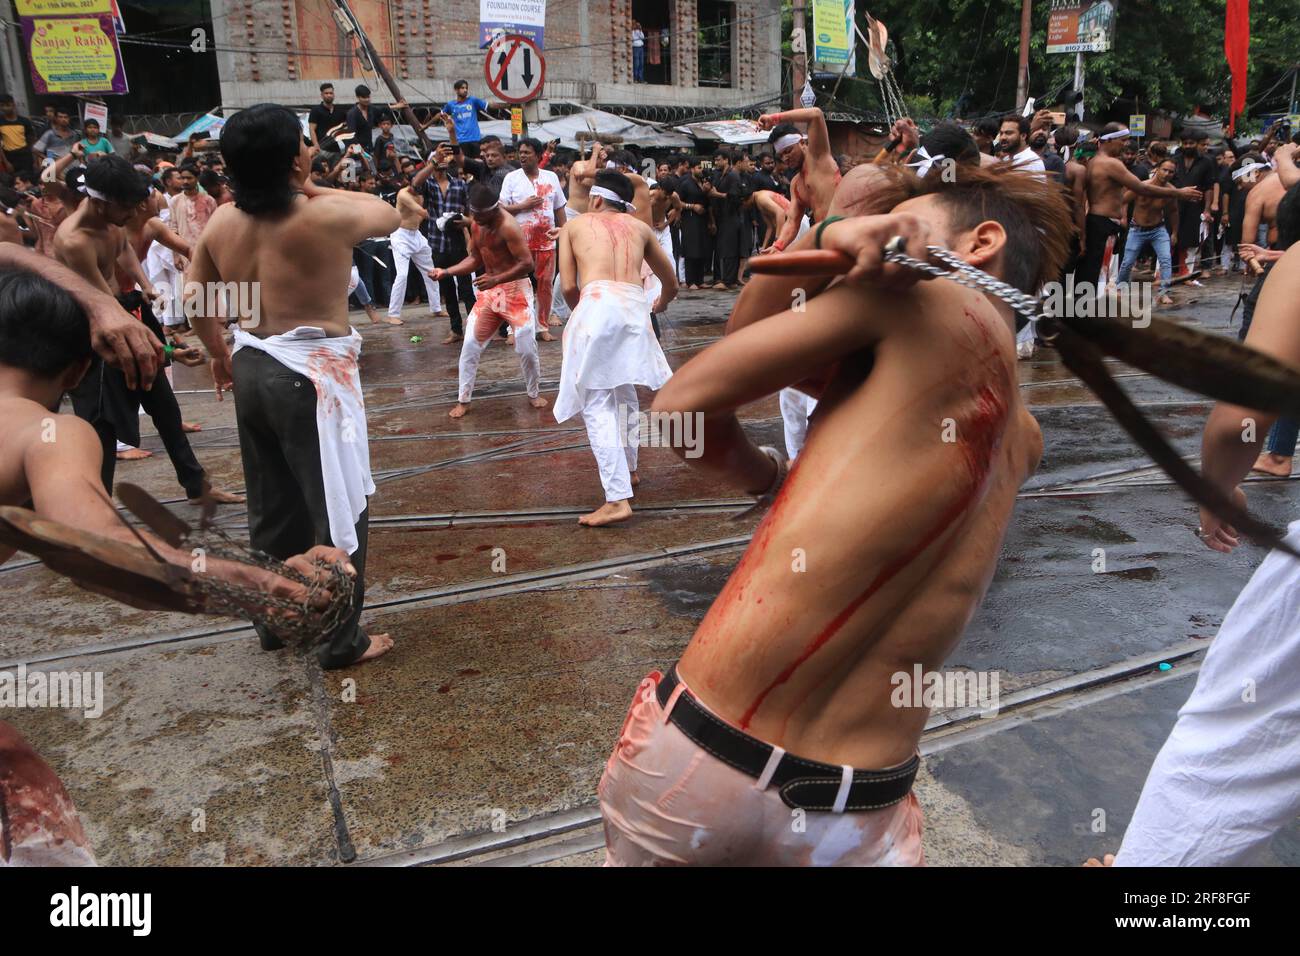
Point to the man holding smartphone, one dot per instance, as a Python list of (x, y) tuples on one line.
[(446, 198)]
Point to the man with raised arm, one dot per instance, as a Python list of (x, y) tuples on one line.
[(1108, 177), (787, 703), (809, 162)]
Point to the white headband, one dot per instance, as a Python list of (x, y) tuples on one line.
[(1249, 168), (610, 164), (93, 193), (1118, 134), (925, 162), (488, 209), (786, 141), (609, 194)]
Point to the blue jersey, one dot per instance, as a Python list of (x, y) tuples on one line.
[(465, 115)]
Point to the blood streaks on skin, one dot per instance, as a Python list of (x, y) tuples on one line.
[(978, 438)]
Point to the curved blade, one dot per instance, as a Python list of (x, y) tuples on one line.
[(1207, 364), (154, 514), (1084, 361)]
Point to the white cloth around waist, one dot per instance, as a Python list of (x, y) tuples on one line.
[(608, 342), (331, 363)]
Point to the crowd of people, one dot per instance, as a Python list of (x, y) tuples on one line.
[(782, 699)]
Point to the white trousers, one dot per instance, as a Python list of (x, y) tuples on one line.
[(409, 246), (471, 351), (611, 417), (795, 409), (1228, 777)]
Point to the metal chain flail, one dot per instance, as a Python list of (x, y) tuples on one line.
[(965, 274), (299, 622)]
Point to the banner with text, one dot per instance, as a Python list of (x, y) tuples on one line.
[(525, 18), (833, 39), (1081, 26), (72, 46)]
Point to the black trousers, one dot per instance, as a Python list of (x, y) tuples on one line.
[(1252, 300), (1099, 229), (275, 411), (102, 386), (694, 270), (730, 270), (455, 289)]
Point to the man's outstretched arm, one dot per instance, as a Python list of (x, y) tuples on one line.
[(819, 138)]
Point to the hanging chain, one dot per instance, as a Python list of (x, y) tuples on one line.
[(965, 274)]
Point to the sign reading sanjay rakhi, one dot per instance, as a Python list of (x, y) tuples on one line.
[(72, 46)]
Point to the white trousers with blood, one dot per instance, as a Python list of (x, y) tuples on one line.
[(511, 303)]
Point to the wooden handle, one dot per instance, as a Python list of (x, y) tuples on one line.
[(810, 262), (1254, 266)]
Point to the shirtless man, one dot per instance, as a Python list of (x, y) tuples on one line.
[(809, 160), (409, 245), (300, 414), (1155, 219), (1108, 177), (50, 463), (607, 351), (1261, 209), (705, 770), (582, 174), (499, 254), (772, 206), (625, 162), (93, 243)]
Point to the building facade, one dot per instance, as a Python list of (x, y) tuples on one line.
[(700, 55)]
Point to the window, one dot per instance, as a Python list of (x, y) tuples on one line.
[(655, 60), (716, 31)]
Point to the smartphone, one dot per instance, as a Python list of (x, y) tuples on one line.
[(1058, 119)]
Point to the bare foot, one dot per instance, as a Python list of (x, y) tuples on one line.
[(611, 512), (371, 314), (441, 314), (1165, 300), (380, 644), (510, 339), (459, 411), (1109, 861), (389, 320), (719, 287), (538, 402), (636, 479), (553, 320), (134, 454), (1279, 466), (221, 498), (191, 427), (452, 339), (546, 337)]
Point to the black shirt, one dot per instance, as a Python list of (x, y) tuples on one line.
[(1201, 173), (1053, 164), (324, 118), (362, 122)]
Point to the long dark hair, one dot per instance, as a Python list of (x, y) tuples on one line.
[(259, 145)]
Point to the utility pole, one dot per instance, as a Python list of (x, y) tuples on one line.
[(369, 52), (799, 45), (1022, 76)]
